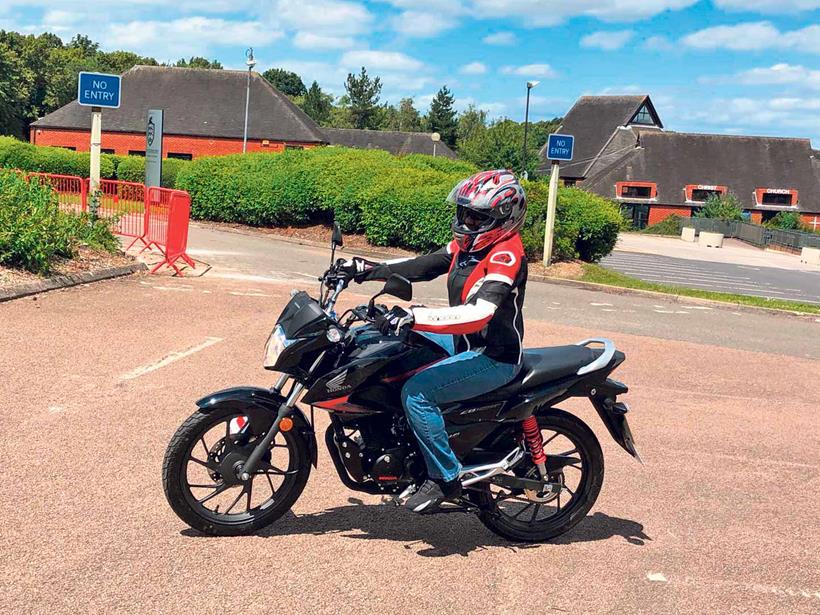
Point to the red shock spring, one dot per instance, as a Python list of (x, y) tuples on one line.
[(532, 434)]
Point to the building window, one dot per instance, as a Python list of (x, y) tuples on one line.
[(107, 150), (73, 149), (643, 117), (699, 193), (180, 156), (636, 190), (289, 146), (778, 197), (136, 152)]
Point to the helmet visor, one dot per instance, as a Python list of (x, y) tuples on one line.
[(469, 221)]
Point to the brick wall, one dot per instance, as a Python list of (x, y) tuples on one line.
[(121, 143), (658, 213), (757, 217), (813, 220)]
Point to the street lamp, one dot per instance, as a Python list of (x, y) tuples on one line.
[(435, 138), (251, 63), (530, 85)]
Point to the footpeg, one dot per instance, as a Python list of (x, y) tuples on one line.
[(400, 499)]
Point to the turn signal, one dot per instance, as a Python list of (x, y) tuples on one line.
[(286, 424)]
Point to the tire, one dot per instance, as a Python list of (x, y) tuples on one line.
[(185, 504), (586, 492)]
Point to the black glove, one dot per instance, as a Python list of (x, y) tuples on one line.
[(355, 268), (396, 320)]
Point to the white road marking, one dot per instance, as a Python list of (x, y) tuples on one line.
[(697, 307), (724, 584), (600, 304), (657, 577), (173, 288), (608, 310), (254, 278), (664, 311), (312, 276), (171, 358), (238, 294), (56, 409)]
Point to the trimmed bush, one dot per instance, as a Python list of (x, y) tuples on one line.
[(668, 226), (16, 154), (33, 231), (394, 201), (132, 169)]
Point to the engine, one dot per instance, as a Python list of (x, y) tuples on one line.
[(378, 452)]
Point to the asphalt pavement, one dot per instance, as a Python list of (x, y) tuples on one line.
[(759, 281), (720, 518)]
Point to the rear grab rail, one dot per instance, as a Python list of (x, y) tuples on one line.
[(601, 361)]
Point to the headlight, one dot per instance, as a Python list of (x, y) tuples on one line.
[(277, 342)]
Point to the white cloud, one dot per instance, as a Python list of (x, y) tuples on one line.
[(768, 6), (780, 74), (318, 42), (381, 60), (421, 24), (530, 70), (330, 17), (185, 36), (536, 13), (500, 38), (755, 36), (608, 40), (658, 43), (473, 68)]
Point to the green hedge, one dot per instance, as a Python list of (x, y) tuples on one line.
[(15, 154), (33, 231), (396, 201)]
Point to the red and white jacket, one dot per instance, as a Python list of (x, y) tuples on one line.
[(486, 293)]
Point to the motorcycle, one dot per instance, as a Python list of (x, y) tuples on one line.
[(531, 471)]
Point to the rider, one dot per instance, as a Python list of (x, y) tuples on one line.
[(482, 329)]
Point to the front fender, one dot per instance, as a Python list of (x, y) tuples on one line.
[(260, 406)]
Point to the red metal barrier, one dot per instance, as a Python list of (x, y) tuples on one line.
[(158, 217), (72, 191), (124, 201), (167, 215)]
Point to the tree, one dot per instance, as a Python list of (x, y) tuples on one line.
[(499, 147), (363, 94), (442, 117), (787, 221), (721, 207), (469, 123), (409, 119), (14, 98), (317, 104), (197, 62), (287, 82), (117, 62)]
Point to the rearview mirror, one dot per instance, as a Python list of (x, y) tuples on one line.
[(336, 238), (398, 286)]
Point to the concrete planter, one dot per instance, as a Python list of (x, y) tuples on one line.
[(710, 240), (687, 234), (810, 256)]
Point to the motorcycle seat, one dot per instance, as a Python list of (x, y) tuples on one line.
[(544, 365)]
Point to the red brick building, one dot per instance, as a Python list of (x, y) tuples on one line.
[(624, 153), (204, 114)]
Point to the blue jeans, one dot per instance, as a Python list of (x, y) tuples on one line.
[(459, 377)]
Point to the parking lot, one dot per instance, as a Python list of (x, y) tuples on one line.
[(721, 517), (760, 281)]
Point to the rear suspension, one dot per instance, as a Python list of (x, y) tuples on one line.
[(535, 443)]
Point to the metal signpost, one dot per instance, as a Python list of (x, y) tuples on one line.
[(97, 90), (559, 147), (153, 148)]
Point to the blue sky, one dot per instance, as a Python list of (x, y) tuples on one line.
[(729, 66)]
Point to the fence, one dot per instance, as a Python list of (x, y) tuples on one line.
[(156, 217), (756, 234)]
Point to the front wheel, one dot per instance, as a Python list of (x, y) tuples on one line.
[(529, 516), (201, 479)]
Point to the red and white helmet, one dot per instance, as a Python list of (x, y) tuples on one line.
[(496, 200)]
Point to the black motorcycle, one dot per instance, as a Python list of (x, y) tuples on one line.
[(530, 470)]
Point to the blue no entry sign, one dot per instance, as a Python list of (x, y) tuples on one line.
[(98, 90), (559, 147)]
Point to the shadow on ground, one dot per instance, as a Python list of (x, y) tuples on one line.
[(444, 534)]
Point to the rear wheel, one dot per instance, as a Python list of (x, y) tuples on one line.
[(529, 516), (202, 483)]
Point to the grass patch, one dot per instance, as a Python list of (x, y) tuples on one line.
[(601, 275)]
